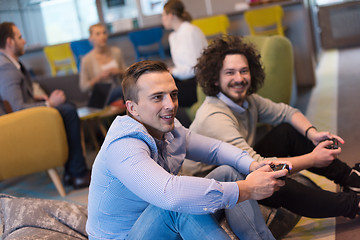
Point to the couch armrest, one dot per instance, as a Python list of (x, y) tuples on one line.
[(32, 140)]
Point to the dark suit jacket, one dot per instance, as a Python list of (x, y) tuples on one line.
[(15, 87)]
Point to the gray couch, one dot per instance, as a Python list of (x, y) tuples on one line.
[(30, 218), (68, 83)]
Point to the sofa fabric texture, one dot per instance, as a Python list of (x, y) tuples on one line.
[(31, 218)]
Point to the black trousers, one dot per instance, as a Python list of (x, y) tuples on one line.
[(285, 141), (76, 165), (187, 91)]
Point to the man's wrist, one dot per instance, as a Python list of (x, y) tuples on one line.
[(253, 166), (243, 191), (308, 129)]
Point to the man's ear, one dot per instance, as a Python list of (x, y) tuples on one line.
[(217, 83), (9, 42), (131, 107)]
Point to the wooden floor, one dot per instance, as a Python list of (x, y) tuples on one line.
[(348, 125), (333, 105)]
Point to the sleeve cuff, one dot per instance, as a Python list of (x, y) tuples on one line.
[(243, 165), (231, 194)]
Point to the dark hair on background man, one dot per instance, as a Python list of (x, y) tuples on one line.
[(134, 72), (210, 63), (6, 31), (177, 8)]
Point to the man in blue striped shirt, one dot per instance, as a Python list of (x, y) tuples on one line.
[(135, 192)]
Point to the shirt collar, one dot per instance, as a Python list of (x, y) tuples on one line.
[(231, 104), (15, 62), (168, 137)]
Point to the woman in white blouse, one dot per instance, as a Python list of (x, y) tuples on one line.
[(186, 42), (102, 64)]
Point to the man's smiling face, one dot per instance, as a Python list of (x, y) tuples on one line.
[(235, 79), (157, 103)]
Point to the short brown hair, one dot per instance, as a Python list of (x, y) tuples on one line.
[(211, 61), (134, 72), (96, 25), (6, 31)]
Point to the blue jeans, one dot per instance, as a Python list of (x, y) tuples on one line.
[(245, 219)]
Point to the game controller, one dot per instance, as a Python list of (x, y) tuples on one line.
[(334, 145), (280, 167)]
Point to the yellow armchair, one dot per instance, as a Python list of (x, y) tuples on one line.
[(33, 140), (265, 21), (278, 60), (213, 26), (61, 59)]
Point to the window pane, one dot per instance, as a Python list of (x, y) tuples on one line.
[(152, 7), (27, 18), (88, 15), (73, 25), (119, 15), (60, 27)]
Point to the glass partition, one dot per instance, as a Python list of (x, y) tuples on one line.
[(67, 20), (152, 7), (50, 22), (119, 15)]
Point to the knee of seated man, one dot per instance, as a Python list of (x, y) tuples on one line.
[(226, 173), (285, 127), (67, 110)]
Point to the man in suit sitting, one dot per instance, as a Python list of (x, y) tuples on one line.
[(16, 89)]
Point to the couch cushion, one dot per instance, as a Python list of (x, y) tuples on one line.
[(68, 83), (30, 218)]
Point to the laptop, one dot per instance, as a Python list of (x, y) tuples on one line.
[(98, 99)]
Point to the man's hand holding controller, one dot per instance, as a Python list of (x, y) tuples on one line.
[(317, 137), (262, 182), (333, 145), (278, 167)]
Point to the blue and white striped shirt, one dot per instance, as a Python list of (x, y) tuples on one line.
[(133, 170)]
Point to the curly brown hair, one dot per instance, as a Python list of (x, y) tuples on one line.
[(210, 63)]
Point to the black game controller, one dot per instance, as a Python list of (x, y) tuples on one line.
[(334, 145), (280, 167)]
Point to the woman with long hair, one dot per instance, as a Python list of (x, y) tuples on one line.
[(186, 42)]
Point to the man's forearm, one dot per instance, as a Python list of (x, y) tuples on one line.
[(300, 122)]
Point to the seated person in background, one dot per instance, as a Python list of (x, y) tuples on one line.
[(231, 112), (135, 192), (186, 44), (16, 88), (102, 64)]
